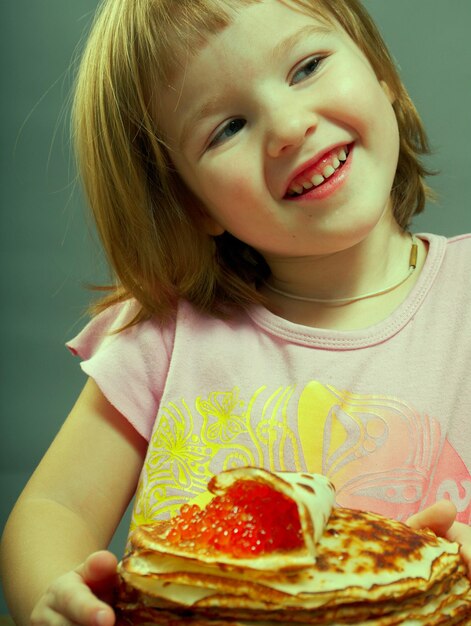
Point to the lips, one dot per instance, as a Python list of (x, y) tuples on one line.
[(315, 174)]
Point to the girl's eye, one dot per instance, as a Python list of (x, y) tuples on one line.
[(227, 131), (306, 70)]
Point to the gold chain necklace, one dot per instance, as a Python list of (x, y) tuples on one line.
[(363, 296)]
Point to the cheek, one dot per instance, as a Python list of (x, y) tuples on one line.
[(386, 130), (232, 180), (362, 102), (385, 122)]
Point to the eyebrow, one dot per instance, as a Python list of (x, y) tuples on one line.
[(279, 51), (209, 107), (287, 44)]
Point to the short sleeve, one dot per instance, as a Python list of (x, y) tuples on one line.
[(129, 366)]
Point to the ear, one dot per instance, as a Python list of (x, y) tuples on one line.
[(388, 91), (207, 223), (210, 225)]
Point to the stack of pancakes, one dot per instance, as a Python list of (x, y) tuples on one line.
[(361, 568)]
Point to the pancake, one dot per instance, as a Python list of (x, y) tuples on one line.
[(358, 568), (312, 495)]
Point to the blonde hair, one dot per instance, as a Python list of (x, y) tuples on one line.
[(148, 224)]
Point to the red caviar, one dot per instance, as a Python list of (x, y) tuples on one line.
[(248, 520)]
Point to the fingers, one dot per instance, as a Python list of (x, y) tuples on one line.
[(73, 598), (99, 571), (78, 604), (439, 517), (67, 603), (99, 574), (461, 533)]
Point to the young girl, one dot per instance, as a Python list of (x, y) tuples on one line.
[(253, 169)]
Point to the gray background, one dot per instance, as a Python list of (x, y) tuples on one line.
[(48, 251)]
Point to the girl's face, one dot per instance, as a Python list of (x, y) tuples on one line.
[(272, 105)]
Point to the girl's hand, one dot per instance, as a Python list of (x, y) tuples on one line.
[(440, 517), (78, 597)]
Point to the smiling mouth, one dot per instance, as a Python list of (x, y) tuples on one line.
[(316, 177)]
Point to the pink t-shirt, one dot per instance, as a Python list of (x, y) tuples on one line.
[(384, 412)]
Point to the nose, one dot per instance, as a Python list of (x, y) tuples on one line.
[(289, 126)]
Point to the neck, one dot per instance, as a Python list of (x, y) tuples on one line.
[(359, 313), (373, 265), (412, 264)]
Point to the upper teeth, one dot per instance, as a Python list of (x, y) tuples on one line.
[(317, 179)]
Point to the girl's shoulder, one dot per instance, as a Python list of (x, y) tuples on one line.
[(448, 252), (129, 365), (460, 243), (110, 330), (445, 276)]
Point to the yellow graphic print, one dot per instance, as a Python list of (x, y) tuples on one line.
[(339, 427), (190, 444), (380, 453)]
